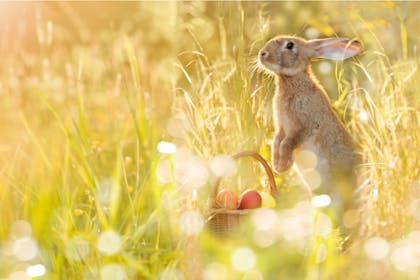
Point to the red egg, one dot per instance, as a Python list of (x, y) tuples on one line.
[(250, 199), (227, 199)]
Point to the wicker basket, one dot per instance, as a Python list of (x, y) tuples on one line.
[(222, 221)]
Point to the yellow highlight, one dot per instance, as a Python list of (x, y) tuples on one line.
[(78, 212), (267, 200)]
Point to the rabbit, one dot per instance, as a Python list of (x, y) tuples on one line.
[(303, 116)]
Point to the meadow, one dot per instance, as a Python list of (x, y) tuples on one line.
[(115, 119)]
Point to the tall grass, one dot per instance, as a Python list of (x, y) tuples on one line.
[(86, 192)]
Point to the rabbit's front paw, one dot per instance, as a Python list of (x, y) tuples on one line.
[(281, 164)]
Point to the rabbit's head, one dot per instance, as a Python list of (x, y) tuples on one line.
[(288, 55)]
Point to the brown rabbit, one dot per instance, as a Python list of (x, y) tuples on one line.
[(303, 116)]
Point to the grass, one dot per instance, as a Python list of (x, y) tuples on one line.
[(86, 193)]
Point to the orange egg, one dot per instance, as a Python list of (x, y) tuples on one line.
[(227, 199)]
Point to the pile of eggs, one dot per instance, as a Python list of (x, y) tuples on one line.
[(249, 199)]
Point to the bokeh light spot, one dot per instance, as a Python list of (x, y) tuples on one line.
[(415, 209), (402, 258), (177, 126), (296, 224), (264, 218), (324, 67), (18, 275), (77, 248), (243, 259), (191, 222), (323, 225), (313, 178), (109, 242), (164, 147), (414, 236), (351, 218), (322, 200), (264, 238), (168, 200), (222, 165), (321, 254), (306, 159), (215, 271), (170, 273), (21, 228), (190, 171), (406, 253), (25, 249), (113, 272), (363, 116), (311, 33), (376, 248), (36, 270), (103, 191), (253, 275), (163, 172)]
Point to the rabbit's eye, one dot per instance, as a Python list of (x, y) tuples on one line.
[(289, 45)]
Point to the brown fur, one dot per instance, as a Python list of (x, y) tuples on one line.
[(303, 116)]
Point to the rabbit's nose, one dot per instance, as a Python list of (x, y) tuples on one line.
[(263, 54)]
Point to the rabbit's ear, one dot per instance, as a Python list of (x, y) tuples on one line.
[(334, 48)]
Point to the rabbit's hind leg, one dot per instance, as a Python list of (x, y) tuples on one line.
[(285, 160), (275, 150)]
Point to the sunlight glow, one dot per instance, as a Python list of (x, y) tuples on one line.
[(164, 147), (296, 224), (264, 218), (214, 271), (321, 255), (170, 273), (414, 209), (322, 200), (36, 270), (191, 222), (264, 238), (253, 275), (222, 165), (109, 242), (323, 225), (77, 248), (376, 248), (164, 172), (177, 126), (190, 171), (103, 191), (243, 259), (113, 272), (168, 200), (18, 275)]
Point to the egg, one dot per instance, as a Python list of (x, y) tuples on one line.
[(227, 199), (267, 200), (250, 199)]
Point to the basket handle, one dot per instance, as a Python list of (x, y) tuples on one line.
[(262, 161)]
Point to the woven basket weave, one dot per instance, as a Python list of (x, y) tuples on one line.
[(221, 221)]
